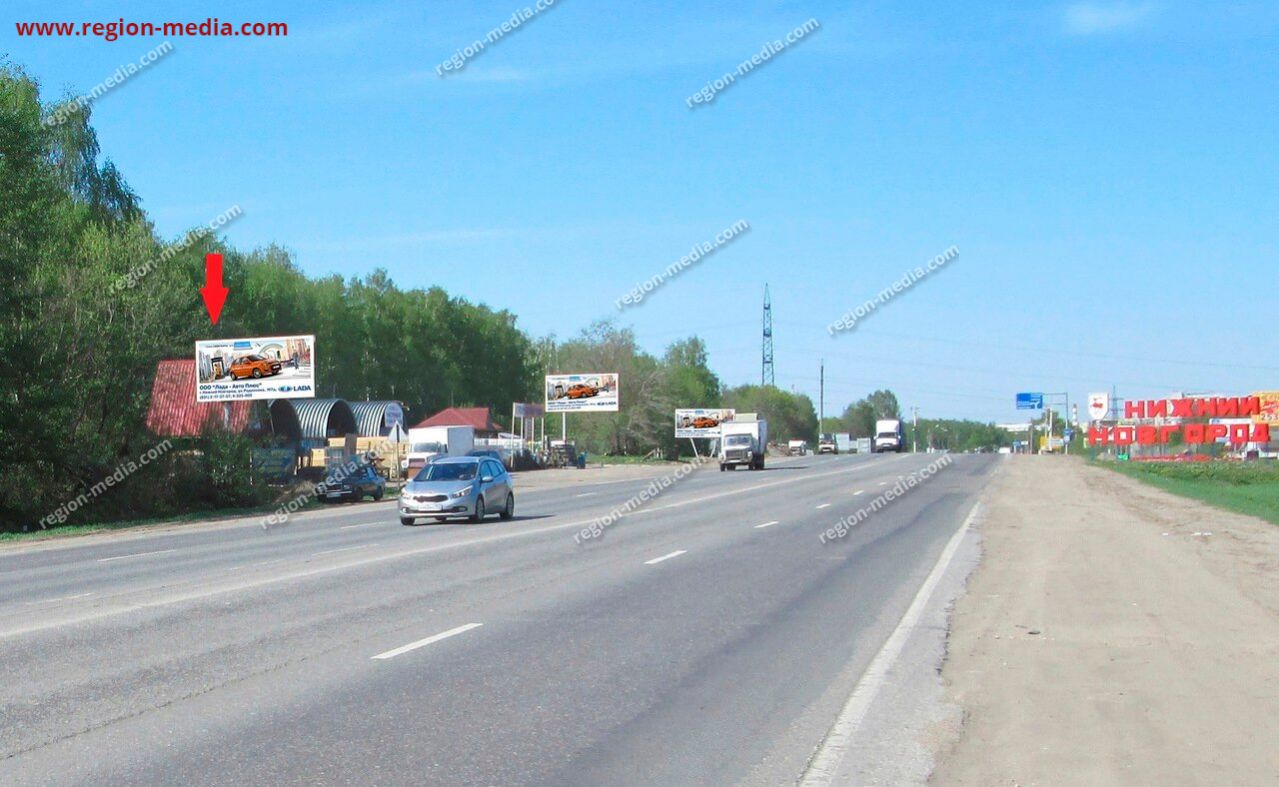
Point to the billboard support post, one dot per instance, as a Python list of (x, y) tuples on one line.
[(693, 443)]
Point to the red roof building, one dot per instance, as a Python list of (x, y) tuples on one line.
[(174, 412), (477, 417)]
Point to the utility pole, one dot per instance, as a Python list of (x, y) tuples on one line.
[(821, 402), (766, 376), (914, 431)]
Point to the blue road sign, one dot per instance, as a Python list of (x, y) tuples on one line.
[(1030, 401)]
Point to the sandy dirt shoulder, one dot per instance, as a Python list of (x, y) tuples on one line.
[(1106, 638)]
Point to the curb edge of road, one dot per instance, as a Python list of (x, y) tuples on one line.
[(828, 757)]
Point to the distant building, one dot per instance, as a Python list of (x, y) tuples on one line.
[(1014, 427), (478, 418)]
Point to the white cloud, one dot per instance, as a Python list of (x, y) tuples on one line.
[(1088, 19)]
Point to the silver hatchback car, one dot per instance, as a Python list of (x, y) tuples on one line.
[(464, 486)]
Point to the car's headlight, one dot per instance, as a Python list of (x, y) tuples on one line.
[(464, 492)]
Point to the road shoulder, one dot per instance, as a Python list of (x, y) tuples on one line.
[(1107, 638)]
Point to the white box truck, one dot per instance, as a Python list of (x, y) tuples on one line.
[(429, 442), (889, 436), (743, 442)]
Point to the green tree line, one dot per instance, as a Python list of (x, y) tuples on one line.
[(91, 298)]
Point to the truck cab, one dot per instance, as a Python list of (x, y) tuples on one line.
[(743, 442), (889, 436)]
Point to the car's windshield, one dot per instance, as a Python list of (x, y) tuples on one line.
[(449, 471), (738, 439), (255, 358)]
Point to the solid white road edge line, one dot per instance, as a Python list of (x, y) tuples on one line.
[(136, 554), (767, 524), (657, 560), (342, 549), (421, 643), (826, 762)]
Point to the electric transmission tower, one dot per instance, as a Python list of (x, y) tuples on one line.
[(766, 373)]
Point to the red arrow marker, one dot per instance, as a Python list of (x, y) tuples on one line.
[(213, 292)]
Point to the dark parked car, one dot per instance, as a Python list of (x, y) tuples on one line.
[(364, 481)]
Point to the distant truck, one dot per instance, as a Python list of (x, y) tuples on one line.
[(743, 442), (826, 444), (429, 442), (797, 448), (844, 443), (889, 436)]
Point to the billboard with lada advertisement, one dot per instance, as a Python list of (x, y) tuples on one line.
[(275, 367), (702, 422), (576, 393)]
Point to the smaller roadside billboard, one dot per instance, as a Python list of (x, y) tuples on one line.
[(275, 367), (1269, 408), (528, 410), (578, 393), (701, 422)]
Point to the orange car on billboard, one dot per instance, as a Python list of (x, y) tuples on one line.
[(705, 422), (582, 391), (254, 366)]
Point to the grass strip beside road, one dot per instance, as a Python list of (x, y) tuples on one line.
[(190, 517), (1250, 488)]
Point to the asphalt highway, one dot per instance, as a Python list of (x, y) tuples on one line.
[(708, 637)]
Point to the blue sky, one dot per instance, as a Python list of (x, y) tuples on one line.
[(1107, 170)]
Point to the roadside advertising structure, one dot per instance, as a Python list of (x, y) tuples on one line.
[(1199, 420), (527, 410), (272, 464), (1269, 408), (581, 393), (701, 422), (277, 367), (1098, 406)]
